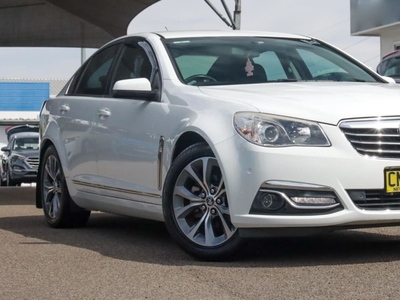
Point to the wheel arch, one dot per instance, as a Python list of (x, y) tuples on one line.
[(186, 140), (45, 144)]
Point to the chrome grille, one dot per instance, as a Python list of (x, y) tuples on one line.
[(374, 137), (374, 199), (33, 162)]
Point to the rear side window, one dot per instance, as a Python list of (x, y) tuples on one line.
[(94, 79)]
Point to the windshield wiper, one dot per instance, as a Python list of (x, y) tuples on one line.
[(340, 80), (353, 80), (285, 80)]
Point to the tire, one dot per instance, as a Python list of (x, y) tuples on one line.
[(9, 181), (196, 211), (2, 182), (59, 209)]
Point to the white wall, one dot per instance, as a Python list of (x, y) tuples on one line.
[(389, 37)]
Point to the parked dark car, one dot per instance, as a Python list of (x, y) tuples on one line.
[(20, 159), (390, 66)]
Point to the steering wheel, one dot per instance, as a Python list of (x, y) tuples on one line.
[(199, 78)]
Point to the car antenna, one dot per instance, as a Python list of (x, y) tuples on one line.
[(166, 28)]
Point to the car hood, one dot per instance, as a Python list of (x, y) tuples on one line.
[(27, 153), (325, 102)]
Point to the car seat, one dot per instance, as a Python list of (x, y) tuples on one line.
[(232, 69)]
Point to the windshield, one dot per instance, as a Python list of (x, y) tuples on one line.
[(246, 60), (22, 144)]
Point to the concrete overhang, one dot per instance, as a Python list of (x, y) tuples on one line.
[(372, 17), (62, 23), (377, 31)]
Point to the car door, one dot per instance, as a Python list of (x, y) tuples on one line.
[(77, 111), (127, 149)]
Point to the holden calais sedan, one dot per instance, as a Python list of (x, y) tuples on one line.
[(224, 136)]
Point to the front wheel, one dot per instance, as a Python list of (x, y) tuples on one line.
[(58, 207), (3, 182), (196, 208), (9, 181)]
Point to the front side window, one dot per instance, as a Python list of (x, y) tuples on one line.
[(134, 63), (246, 60), (94, 79)]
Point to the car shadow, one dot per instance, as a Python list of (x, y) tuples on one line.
[(132, 239)]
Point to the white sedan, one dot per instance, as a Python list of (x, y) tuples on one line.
[(224, 136)]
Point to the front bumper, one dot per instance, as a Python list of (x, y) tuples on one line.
[(246, 167), (24, 175)]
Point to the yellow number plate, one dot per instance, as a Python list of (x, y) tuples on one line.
[(392, 180)]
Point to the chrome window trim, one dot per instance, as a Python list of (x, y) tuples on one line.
[(114, 189)]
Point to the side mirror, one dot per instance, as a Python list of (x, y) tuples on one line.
[(5, 149), (134, 88), (390, 80)]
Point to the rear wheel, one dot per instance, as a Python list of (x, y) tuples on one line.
[(196, 207), (58, 207)]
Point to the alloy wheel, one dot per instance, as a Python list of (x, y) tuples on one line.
[(51, 186), (200, 203)]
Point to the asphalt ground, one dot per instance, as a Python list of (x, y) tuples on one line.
[(117, 257)]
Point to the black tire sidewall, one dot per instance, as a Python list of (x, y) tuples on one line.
[(220, 252), (9, 181), (64, 196)]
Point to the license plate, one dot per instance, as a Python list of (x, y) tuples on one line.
[(392, 180)]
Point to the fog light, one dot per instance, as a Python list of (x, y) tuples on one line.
[(314, 200), (17, 169), (271, 201)]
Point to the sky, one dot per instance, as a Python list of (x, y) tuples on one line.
[(322, 19)]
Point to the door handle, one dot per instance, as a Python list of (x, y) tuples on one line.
[(104, 112), (64, 108)]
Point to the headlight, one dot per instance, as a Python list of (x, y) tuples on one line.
[(277, 131), (18, 157)]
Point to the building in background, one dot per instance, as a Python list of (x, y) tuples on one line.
[(377, 18), (21, 99)]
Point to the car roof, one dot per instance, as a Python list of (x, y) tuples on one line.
[(231, 33), (211, 33), (391, 54)]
